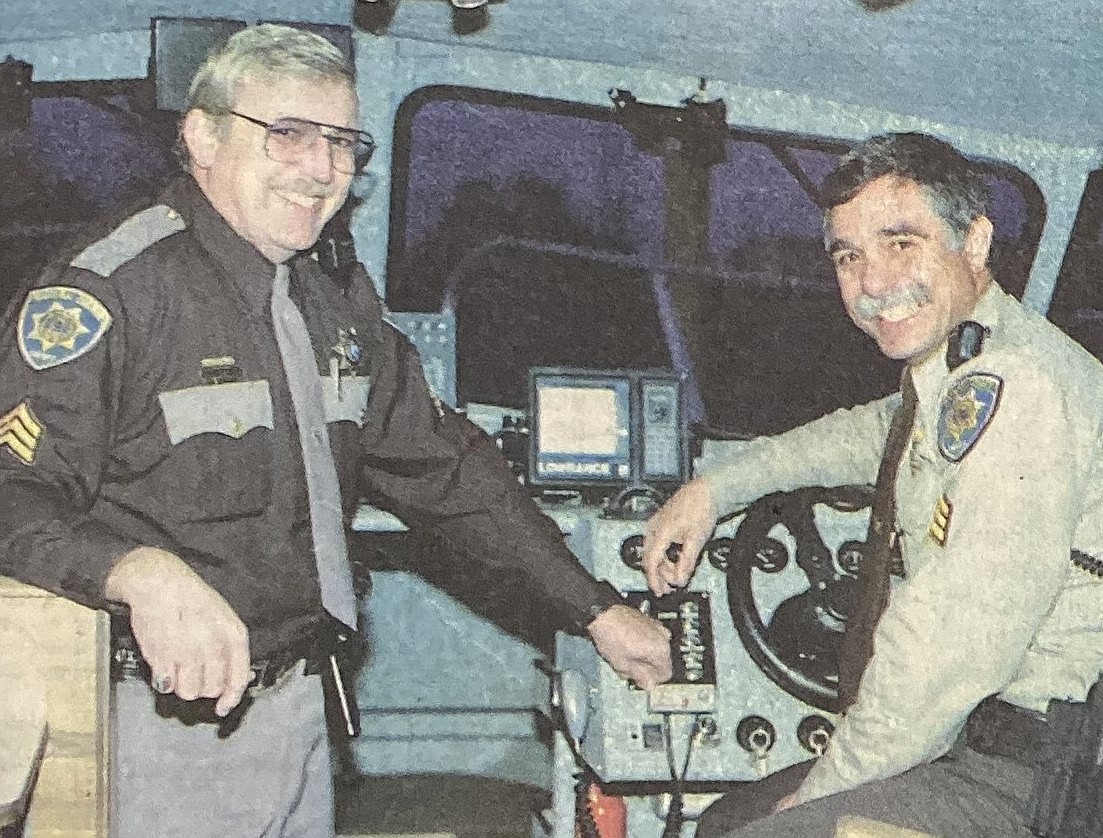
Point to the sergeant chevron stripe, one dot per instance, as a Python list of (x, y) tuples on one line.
[(940, 522), (20, 433)]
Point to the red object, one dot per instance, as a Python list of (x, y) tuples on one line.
[(609, 813)]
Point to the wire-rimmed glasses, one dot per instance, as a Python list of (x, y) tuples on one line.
[(290, 138)]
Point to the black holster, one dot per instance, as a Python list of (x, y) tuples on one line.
[(1067, 799)]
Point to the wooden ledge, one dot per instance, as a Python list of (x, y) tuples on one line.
[(22, 743)]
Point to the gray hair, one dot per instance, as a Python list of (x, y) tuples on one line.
[(955, 191), (267, 52)]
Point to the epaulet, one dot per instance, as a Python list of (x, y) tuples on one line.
[(130, 238)]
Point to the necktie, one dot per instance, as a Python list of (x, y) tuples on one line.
[(873, 577), (322, 489)]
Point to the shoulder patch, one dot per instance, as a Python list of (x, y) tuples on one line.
[(130, 238), (965, 412), (58, 324)]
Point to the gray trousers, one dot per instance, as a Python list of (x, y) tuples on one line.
[(962, 795), (174, 777)]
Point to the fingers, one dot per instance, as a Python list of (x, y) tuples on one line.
[(636, 646), (189, 678), (649, 664), (657, 667), (660, 572), (217, 666), (687, 519), (647, 675), (194, 642), (687, 561), (665, 569), (219, 669), (238, 675)]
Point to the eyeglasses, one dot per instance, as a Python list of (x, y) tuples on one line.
[(288, 139)]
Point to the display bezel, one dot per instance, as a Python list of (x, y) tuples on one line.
[(629, 385)]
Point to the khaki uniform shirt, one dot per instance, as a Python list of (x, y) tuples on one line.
[(1001, 481)]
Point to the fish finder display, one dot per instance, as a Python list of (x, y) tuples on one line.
[(597, 428)]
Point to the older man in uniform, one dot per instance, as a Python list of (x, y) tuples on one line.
[(988, 466), (191, 410)]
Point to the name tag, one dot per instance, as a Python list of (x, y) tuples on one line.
[(228, 409), (347, 401)]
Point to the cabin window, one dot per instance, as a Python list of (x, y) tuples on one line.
[(88, 149), (559, 238), (1077, 305)]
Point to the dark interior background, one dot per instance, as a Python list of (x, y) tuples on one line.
[(561, 237)]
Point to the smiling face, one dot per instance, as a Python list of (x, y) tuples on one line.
[(904, 281), (279, 208)]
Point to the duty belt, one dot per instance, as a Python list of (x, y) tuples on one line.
[(315, 649), (333, 651), (127, 661), (996, 728)]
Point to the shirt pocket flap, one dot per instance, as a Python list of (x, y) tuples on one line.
[(228, 409), (353, 399)]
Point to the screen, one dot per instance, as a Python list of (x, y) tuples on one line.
[(180, 46), (599, 428), (582, 429)]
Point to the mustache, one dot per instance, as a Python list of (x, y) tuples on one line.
[(869, 307), (307, 188)]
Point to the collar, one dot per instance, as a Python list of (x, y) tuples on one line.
[(248, 272), (989, 307), (929, 374)]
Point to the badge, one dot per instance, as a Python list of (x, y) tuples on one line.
[(220, 370), (345, 357), (20, 433), (965, 413), (347, 351), (915, 452), (939, 529), (58, 324)]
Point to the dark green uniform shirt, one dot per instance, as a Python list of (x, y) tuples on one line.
[(112, 437)]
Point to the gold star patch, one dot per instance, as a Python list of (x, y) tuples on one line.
[(20, 433), (962, 416), (966, 410), (58, 324)]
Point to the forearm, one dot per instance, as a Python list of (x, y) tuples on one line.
[(932, 667), (521, 555), (840, 449), (48, 542)]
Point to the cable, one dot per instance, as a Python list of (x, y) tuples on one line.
[(674, 819)]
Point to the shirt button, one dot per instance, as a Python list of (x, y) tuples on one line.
[(317, 436)]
